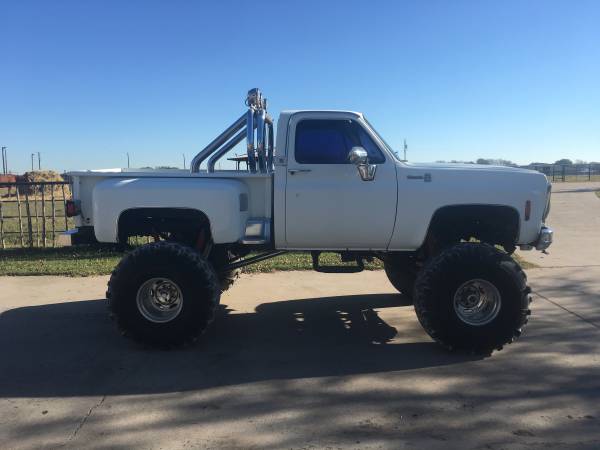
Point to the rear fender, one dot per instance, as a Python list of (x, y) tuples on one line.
[(224, 202)]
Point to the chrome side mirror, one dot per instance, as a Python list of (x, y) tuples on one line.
[(358, 155), (360, 158)]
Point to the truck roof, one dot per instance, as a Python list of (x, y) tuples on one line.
[(289, 112)]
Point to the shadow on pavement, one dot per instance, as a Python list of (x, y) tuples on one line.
[(73, 349)]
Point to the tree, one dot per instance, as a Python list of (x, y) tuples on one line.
[(564, 162), (496, 162)]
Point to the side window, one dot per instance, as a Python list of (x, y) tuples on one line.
[(330, 141)]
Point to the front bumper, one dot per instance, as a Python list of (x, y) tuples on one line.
[(544, 239)]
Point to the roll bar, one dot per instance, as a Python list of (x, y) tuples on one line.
[(254, 121)]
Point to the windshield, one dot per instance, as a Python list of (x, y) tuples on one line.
[(383, 141)]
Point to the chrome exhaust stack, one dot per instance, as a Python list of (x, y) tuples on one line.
[(260, 156)]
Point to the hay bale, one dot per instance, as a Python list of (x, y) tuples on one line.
[(39, 176)]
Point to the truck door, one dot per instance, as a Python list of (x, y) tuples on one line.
[(328, 205)]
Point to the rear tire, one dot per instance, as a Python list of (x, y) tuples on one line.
[(163, 294), (472, 297)]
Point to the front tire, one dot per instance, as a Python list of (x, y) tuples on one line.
[(472, 297), (163, 294)]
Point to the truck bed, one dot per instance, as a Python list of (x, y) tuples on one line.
[(258, 186)]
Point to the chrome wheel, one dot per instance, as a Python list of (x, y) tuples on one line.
[(159, 300), (477, 302)]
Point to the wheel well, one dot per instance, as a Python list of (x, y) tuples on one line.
[(184, 224), (496, 225)]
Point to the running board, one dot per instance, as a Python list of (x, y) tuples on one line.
[(360, 266)]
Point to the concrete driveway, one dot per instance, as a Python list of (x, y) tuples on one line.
[(575, 219), (303, 360)]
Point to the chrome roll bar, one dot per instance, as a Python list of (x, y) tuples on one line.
[(260, 140), (224, 149), (260, 156), (216, 143), (250, 126)]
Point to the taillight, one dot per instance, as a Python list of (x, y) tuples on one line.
[(72, 209), (527, 209)]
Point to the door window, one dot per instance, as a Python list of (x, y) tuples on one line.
[(330, 141)]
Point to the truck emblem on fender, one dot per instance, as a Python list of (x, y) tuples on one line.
[(426, 177)]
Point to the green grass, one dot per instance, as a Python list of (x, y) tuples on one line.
[(87, 261), (598, 194), (10, 224), (83, 261), (68, 261)]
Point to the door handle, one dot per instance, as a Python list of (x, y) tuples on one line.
[(293, 171)]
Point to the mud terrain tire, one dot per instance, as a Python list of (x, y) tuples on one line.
[(454, 291), (163, 294)]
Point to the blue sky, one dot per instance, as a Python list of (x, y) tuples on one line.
[(84, 82)]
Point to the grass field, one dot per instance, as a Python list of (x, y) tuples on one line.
[(87, 261), (10, 223)]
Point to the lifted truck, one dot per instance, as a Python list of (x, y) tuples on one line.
[(327, 181)]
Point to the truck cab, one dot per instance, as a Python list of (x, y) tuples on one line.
[(322, 199)]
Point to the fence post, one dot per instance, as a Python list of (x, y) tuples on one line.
[(1, 224), (43, 216), (589, 172), (563, 173), (29, 226), (20, 216), (53, 218), (35, 190), (65, 208)]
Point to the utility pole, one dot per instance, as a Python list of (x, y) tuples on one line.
[(4, 164), (183, 161), (39, 161), (32, 156), (405, 148), (128, 160)]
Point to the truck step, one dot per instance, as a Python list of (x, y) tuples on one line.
[(360, 266), (258, 231)]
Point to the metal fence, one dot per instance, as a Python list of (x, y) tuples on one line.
[(568, 172), (33, 214)]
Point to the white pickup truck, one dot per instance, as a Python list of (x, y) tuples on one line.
[(327, 181)]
